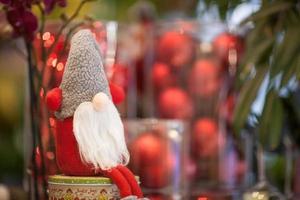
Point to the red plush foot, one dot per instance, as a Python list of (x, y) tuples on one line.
[(136, 190), (118, 178)]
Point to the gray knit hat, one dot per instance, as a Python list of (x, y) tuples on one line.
[(84, 75)]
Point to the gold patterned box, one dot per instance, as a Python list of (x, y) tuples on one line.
[(81, 188)]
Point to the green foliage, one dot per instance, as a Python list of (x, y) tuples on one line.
[(247, 95), (275, 169), (271, 121), (273, 50)]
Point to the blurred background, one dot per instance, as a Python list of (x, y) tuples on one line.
[(211, 86)]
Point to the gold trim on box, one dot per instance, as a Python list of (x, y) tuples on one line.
[(76, 180), (60, 179)]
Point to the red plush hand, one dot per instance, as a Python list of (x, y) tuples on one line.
[(54, 99), (117, 93)]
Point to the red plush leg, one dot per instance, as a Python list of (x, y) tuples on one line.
[(118, 178), (136, 190)]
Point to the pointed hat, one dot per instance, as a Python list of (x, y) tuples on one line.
[(84, 74)]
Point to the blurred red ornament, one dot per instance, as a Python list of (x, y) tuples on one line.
[(117, 93), (162, 76), (176, 49), (175, 103), (226, 42), (205, 138), (159, 174), (120, 75), (204, 78), (54, 103), (146, 149), (152, 160), (155, 176)]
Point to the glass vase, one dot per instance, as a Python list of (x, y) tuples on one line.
[(263, 189), (159, 156), (185, 70)]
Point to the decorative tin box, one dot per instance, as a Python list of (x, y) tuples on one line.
[(81, 188)]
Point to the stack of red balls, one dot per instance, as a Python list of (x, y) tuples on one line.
[(186, 79), (186, 84), (152, 159)]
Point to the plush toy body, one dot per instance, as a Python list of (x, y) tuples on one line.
[(90, 136)]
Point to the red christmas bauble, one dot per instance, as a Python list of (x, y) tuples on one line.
[(205, 138), (175, 103), (155, 176), (162, 76), (146, 149), (224, 43), (176, 49), (53, 99), (117, 93), (204, 78), (158, 175), (120, 75)]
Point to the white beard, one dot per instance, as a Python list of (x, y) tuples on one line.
[(100, 136)]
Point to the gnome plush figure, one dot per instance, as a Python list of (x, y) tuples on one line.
[(90, 136)]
